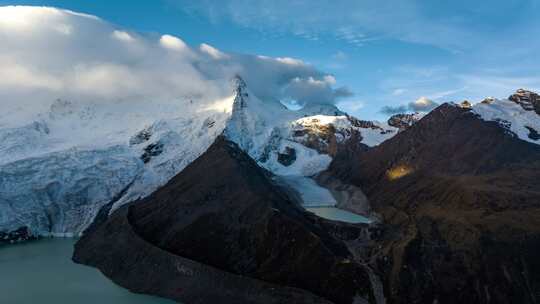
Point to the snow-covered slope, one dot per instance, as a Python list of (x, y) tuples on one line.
[(268, 131), (517, 117), (57, 171)]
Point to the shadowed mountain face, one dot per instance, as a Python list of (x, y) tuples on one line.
[(225, 212), (463, 195)]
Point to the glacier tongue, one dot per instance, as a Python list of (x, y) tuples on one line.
[(59, 193), (57, 172)]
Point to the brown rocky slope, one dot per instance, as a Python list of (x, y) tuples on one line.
[(222, 232), (462, 199)]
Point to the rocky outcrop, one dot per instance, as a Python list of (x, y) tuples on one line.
[(328, 134), (349, 197), (16, 236), (287, 157), (488, 100), (466, 104), (403, 121), (222, 232), (461, 200), (320, 137), (152, 150), (142, 136), (533, 133), (528, 100)]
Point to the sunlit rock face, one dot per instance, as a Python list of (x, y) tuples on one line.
[(404, 121), (529, 100), (398, 172), (466, 104), (327, 133), (462, 193)]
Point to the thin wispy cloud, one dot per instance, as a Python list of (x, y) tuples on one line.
[(359, 22)]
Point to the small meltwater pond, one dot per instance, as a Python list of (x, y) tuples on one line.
[(336, 214), (42, 272), (320, 201)]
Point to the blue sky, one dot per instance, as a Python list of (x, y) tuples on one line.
[(388, 54)]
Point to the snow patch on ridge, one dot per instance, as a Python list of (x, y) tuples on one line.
[(511, 116)]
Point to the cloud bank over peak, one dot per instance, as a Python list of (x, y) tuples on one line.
[(422, 104), (49, 53)]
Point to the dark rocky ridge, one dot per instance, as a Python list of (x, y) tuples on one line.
[(16, 236), (288, 156), (222, 232), (461, 197)]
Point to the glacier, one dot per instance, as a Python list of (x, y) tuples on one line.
[(58, 171)]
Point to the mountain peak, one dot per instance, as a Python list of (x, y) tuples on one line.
[(239, 85), (528, 100), (240, 93), (404, 121)]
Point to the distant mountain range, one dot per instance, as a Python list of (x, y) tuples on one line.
[(453, 195)]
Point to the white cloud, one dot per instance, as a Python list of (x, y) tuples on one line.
[(351, 106), (19, 77), (398, 92), (122, 36), (64, 29), (306, 90), (47, 53), (105, 80), (212, 51), (329, 79), (173, 43), (422, 104), (289, 60)]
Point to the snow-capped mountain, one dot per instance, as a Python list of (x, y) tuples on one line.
[(270, 132), (519, 114), (58, 171), (461, 190), (405, 120)]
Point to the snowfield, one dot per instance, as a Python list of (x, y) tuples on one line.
[(511, 116)]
